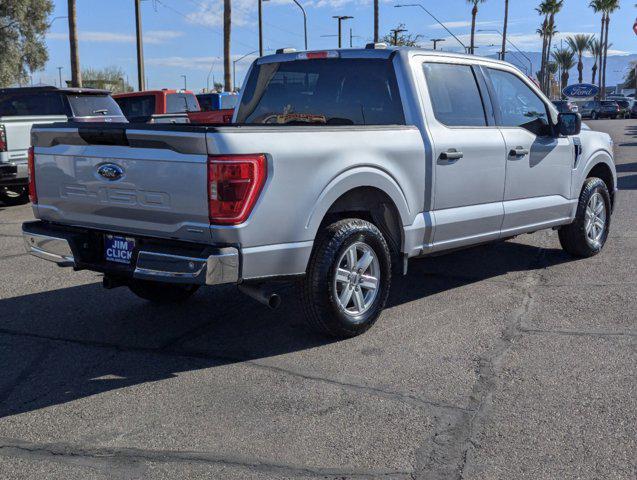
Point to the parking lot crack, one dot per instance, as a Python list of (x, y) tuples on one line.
[(127, 457)]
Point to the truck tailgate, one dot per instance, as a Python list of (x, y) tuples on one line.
[(123, 181)]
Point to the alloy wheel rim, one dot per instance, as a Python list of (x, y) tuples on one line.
[(595, 220), (356, 279)]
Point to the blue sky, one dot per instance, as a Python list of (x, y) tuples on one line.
[(184, 37)]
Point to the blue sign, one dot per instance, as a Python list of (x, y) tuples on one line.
[(581, 90)]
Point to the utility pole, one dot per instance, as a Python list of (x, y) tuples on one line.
[(260, 28), (227, 19), (375, 21), (436, 41), (76, 74), (395, 32), (340, 18), (141, 84)]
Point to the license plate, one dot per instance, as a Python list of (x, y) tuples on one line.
[(118, 249)]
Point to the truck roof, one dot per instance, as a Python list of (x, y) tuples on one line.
[(387, 52), (51, 88), (150, 92)]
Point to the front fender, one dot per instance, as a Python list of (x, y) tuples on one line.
[(360, 176)]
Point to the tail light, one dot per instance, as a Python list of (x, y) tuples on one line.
[(33, 196), (234, 185), (3, 139)]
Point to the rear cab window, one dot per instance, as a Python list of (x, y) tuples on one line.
[(32, 104), (181, 103), (330, 91), (93, 106), (137, 106)]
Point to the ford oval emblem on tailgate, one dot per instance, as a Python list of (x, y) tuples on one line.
[(110, 171)]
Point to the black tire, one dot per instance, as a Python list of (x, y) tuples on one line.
[(12, 196), (573, 237), (159, 292), (320, 296)]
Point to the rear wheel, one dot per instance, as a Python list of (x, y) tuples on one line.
[(14, 195), (348, 279), (158, 292), (587, 234)]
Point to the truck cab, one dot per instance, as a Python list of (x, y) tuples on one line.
[(158, 106)]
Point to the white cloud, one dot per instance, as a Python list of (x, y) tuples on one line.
[(150, 37), (198, 63)]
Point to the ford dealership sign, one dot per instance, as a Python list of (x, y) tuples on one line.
[(581, 90)]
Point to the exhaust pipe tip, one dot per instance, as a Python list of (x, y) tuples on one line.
[(262, 295)]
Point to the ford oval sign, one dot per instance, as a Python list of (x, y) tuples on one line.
[(110, 171), (581, 90)]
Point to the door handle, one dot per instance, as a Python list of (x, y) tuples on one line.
[(518, 152), (451, 154)]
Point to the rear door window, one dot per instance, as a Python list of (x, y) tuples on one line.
[(334, 91), (181, 102), (94, 106), (228, 101), (454, 94), (138, 106), (29, 104)]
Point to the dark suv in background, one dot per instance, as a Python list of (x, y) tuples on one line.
[(600, 109)]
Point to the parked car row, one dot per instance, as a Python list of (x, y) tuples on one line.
[(612, 108), (21, 108)]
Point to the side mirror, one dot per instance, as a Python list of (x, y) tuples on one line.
[(569, 124)]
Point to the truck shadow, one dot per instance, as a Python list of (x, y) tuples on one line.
[(64, 345)]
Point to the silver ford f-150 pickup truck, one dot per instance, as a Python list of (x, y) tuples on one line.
[(340, 166)]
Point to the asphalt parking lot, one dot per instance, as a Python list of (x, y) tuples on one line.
[(498, 362)]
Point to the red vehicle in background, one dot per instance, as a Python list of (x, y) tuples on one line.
[(166, 106)]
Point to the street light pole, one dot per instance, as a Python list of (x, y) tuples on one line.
[(185, 84), (304, 21), (212, 64), (436, 20), (234, 69), (140, 47), (340, 18), (60, 75), (260, 28)]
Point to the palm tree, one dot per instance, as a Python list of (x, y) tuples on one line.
[(565, 59), (227, 19), (504, 29), (598, 6), (474, 14), (555, 7), (76, 73), (551, 70), (610, 6), (580, 44), (595, 48), (543, 9)]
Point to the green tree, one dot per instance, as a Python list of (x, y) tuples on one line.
[(565, 59), (580, 44), (403, 39), (474, 14), (23, 24), (110, 78), (595, 48)]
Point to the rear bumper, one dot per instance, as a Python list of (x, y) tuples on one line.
[(70, 247), (14, 174)]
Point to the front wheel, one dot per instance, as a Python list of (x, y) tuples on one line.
[(12, 196), (159, 292), (587, 234), (347, 282)]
